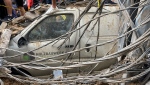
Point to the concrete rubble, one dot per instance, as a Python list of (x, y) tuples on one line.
[(133, 54)]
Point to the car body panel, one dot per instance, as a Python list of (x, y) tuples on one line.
[(108, 30)]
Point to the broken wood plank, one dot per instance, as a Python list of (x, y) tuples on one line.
[(4, 71), (16, 28), (17, 20), (4, 41), (15, 32), (42, 9), (3, 25), (31, 15)]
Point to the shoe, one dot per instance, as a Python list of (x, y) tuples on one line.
[(109, 2), (7, 18)]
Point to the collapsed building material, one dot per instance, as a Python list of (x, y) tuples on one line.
[(18, 20), (5, 38), (4, 72), (3, 26), (138, 67), (31, 15)]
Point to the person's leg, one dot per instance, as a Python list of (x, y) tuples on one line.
[(9, 16), (20, 6), (22, 11), (8, 3), (3, 10)]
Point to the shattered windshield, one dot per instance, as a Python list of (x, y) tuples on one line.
[(51, 27)]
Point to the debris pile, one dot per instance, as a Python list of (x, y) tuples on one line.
[(18, 24), (132, 68)]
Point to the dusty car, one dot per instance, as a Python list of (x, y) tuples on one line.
[(41, 40)]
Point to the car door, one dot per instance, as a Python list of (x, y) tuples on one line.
[(39, 38), (45, 32)]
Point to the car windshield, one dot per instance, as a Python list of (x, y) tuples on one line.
[(51, 27)]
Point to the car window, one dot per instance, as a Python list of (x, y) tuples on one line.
[(51, 27)]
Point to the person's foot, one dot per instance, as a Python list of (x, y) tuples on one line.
[(109, 2), (7, 18)]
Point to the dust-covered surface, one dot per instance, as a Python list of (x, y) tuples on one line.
[(8, 81), (138, 66)]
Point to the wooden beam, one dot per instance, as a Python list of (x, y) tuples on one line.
[(17, 20), (4, 41), (4, 71), (3, 25), (31, 15)]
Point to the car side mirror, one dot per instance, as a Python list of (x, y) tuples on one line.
[(22, 42)]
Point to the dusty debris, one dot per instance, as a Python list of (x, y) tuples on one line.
[(8, 81), (3, 25), (114, 75), (18, 20), (4, 41), (18, 24), (4, 71), (31, 15)]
